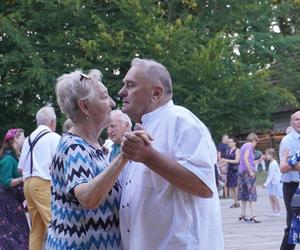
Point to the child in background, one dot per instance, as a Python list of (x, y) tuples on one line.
[(273, 185)]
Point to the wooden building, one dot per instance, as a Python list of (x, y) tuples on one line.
[(272, 138)]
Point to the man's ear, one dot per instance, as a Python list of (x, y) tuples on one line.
[(53, 124), (157, 92), (83, 106)]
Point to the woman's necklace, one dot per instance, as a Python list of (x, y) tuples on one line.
[(85, 135)]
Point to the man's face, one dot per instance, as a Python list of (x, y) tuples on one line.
[(225, 139), (136, 94), (116, 130), (295, 122)]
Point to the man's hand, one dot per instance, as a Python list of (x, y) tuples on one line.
[(136, 146)]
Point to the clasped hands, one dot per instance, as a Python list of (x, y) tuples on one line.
[(136, 145)]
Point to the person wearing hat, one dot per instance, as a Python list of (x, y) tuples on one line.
[(14, 230)]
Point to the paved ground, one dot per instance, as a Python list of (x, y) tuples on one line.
[(250, 236)]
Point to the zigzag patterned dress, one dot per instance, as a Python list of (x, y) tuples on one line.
[(72, 226)]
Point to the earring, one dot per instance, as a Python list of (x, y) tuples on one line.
[(87, 117)]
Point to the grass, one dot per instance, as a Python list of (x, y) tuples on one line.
[(261, 177)]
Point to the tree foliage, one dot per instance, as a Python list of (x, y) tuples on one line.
[(221, 54)]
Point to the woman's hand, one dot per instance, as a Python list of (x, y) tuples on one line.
[(252, 173)]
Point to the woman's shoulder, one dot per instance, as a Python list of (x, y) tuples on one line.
[(8, 160), (8, 156), (71, 141)]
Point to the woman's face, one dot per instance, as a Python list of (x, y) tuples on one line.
[(269, 156), (231, 143), (19, 140), (100, 105)]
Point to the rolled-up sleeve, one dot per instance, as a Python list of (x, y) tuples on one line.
[(195, 150)]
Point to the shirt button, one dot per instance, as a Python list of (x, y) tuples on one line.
[(127, 204), (123, 206), (128, 230)]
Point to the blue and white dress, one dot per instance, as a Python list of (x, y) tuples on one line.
[(72, 226)]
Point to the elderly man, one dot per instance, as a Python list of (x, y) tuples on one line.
[(120, 123), (290, 177), (35, 160), (169, 199)]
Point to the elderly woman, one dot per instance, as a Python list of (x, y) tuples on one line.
[(86, 193), (14, 230), (247, 178)]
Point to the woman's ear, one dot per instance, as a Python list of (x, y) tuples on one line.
[(157, 92), (83, 106)]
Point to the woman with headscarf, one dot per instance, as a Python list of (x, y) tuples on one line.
[(14, 230)]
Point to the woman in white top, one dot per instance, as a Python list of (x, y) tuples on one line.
[(272, 183)]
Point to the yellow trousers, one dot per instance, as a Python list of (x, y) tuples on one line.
[(37, 194)]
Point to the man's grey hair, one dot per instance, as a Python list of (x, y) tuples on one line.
[(67, 125), (122, 116), (45, 116), (294, 115), (75, 86), (155, 73)]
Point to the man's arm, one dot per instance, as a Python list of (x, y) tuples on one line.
[(284, 165), (134, 148), (219, 155)]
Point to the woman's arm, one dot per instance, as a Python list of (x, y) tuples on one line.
[(16, 181), (91, 194), (237, 157), (7, 175), (247, 163)]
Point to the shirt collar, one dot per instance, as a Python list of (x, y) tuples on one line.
[(156, 113), (295, 134), (44, 127)]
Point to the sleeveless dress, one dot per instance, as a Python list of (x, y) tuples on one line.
[(232, 174)]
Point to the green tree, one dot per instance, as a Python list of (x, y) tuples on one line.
[(219, 54)]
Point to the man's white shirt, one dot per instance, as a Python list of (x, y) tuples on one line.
[(155, 214), (43, 153)]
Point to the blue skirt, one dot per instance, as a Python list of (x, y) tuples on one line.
[(246, 187), (274, 189)]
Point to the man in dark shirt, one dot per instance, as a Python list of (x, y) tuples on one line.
[(222, 147)]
